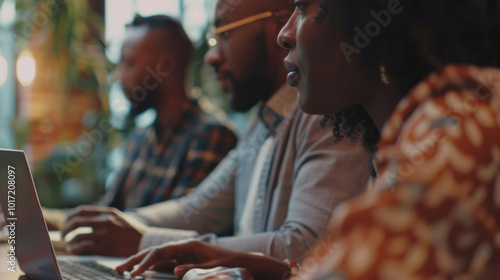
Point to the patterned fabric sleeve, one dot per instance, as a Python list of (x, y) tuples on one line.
[(157, 170), (210, 146), (439, 217)]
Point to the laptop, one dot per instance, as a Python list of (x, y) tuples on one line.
[(30, 237)]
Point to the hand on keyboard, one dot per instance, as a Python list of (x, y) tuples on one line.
[(114, 233), (185, 256)]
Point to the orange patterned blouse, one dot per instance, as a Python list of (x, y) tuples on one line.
[(438, 214)]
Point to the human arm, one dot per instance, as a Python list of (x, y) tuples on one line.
[(309, 179), (113, 232), (148, 176), (412, 232), (208, 146), (194, 254), (188, 215), (209, 208)]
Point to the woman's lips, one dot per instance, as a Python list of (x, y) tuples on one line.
[(294, 74), (293, 78)]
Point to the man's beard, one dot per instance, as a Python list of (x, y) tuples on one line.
[(141, 105), (246, 96), (355, 124)]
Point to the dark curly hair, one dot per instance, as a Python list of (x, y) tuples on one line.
[(178, 40), (355, 124), (424, 37)]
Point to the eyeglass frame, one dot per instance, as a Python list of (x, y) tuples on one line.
[(214, 31)]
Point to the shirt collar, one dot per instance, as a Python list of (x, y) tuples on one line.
[(278, 108), (189, 112)]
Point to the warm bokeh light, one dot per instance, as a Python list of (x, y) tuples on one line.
[(4, 68), (26, 68), (212, 42), (7, 12)]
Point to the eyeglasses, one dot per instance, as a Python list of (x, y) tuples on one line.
[(213, 31)]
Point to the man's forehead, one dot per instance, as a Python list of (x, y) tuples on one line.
[(136, 38), (230, 10), (134, 33)]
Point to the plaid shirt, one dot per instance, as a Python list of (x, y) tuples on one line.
[(154, 172)]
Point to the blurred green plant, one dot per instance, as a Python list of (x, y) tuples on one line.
[(66, 38), (70, 31)]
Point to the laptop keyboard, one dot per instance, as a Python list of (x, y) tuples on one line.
[(87, 271)]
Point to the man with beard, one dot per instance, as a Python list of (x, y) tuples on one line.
[(184, 144), (169, 158), (277, 190)]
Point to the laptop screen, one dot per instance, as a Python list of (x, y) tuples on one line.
[(28, 236)]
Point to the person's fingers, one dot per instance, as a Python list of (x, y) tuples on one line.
[(161, 254), (88, 210), (166, 265), (85, 247), (153, 256), (93, 222), (87, 244), (96, 238), (160, 265), (131, 262), (78, 222), (73, 224)]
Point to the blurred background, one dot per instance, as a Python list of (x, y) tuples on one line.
[(58, 101)]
